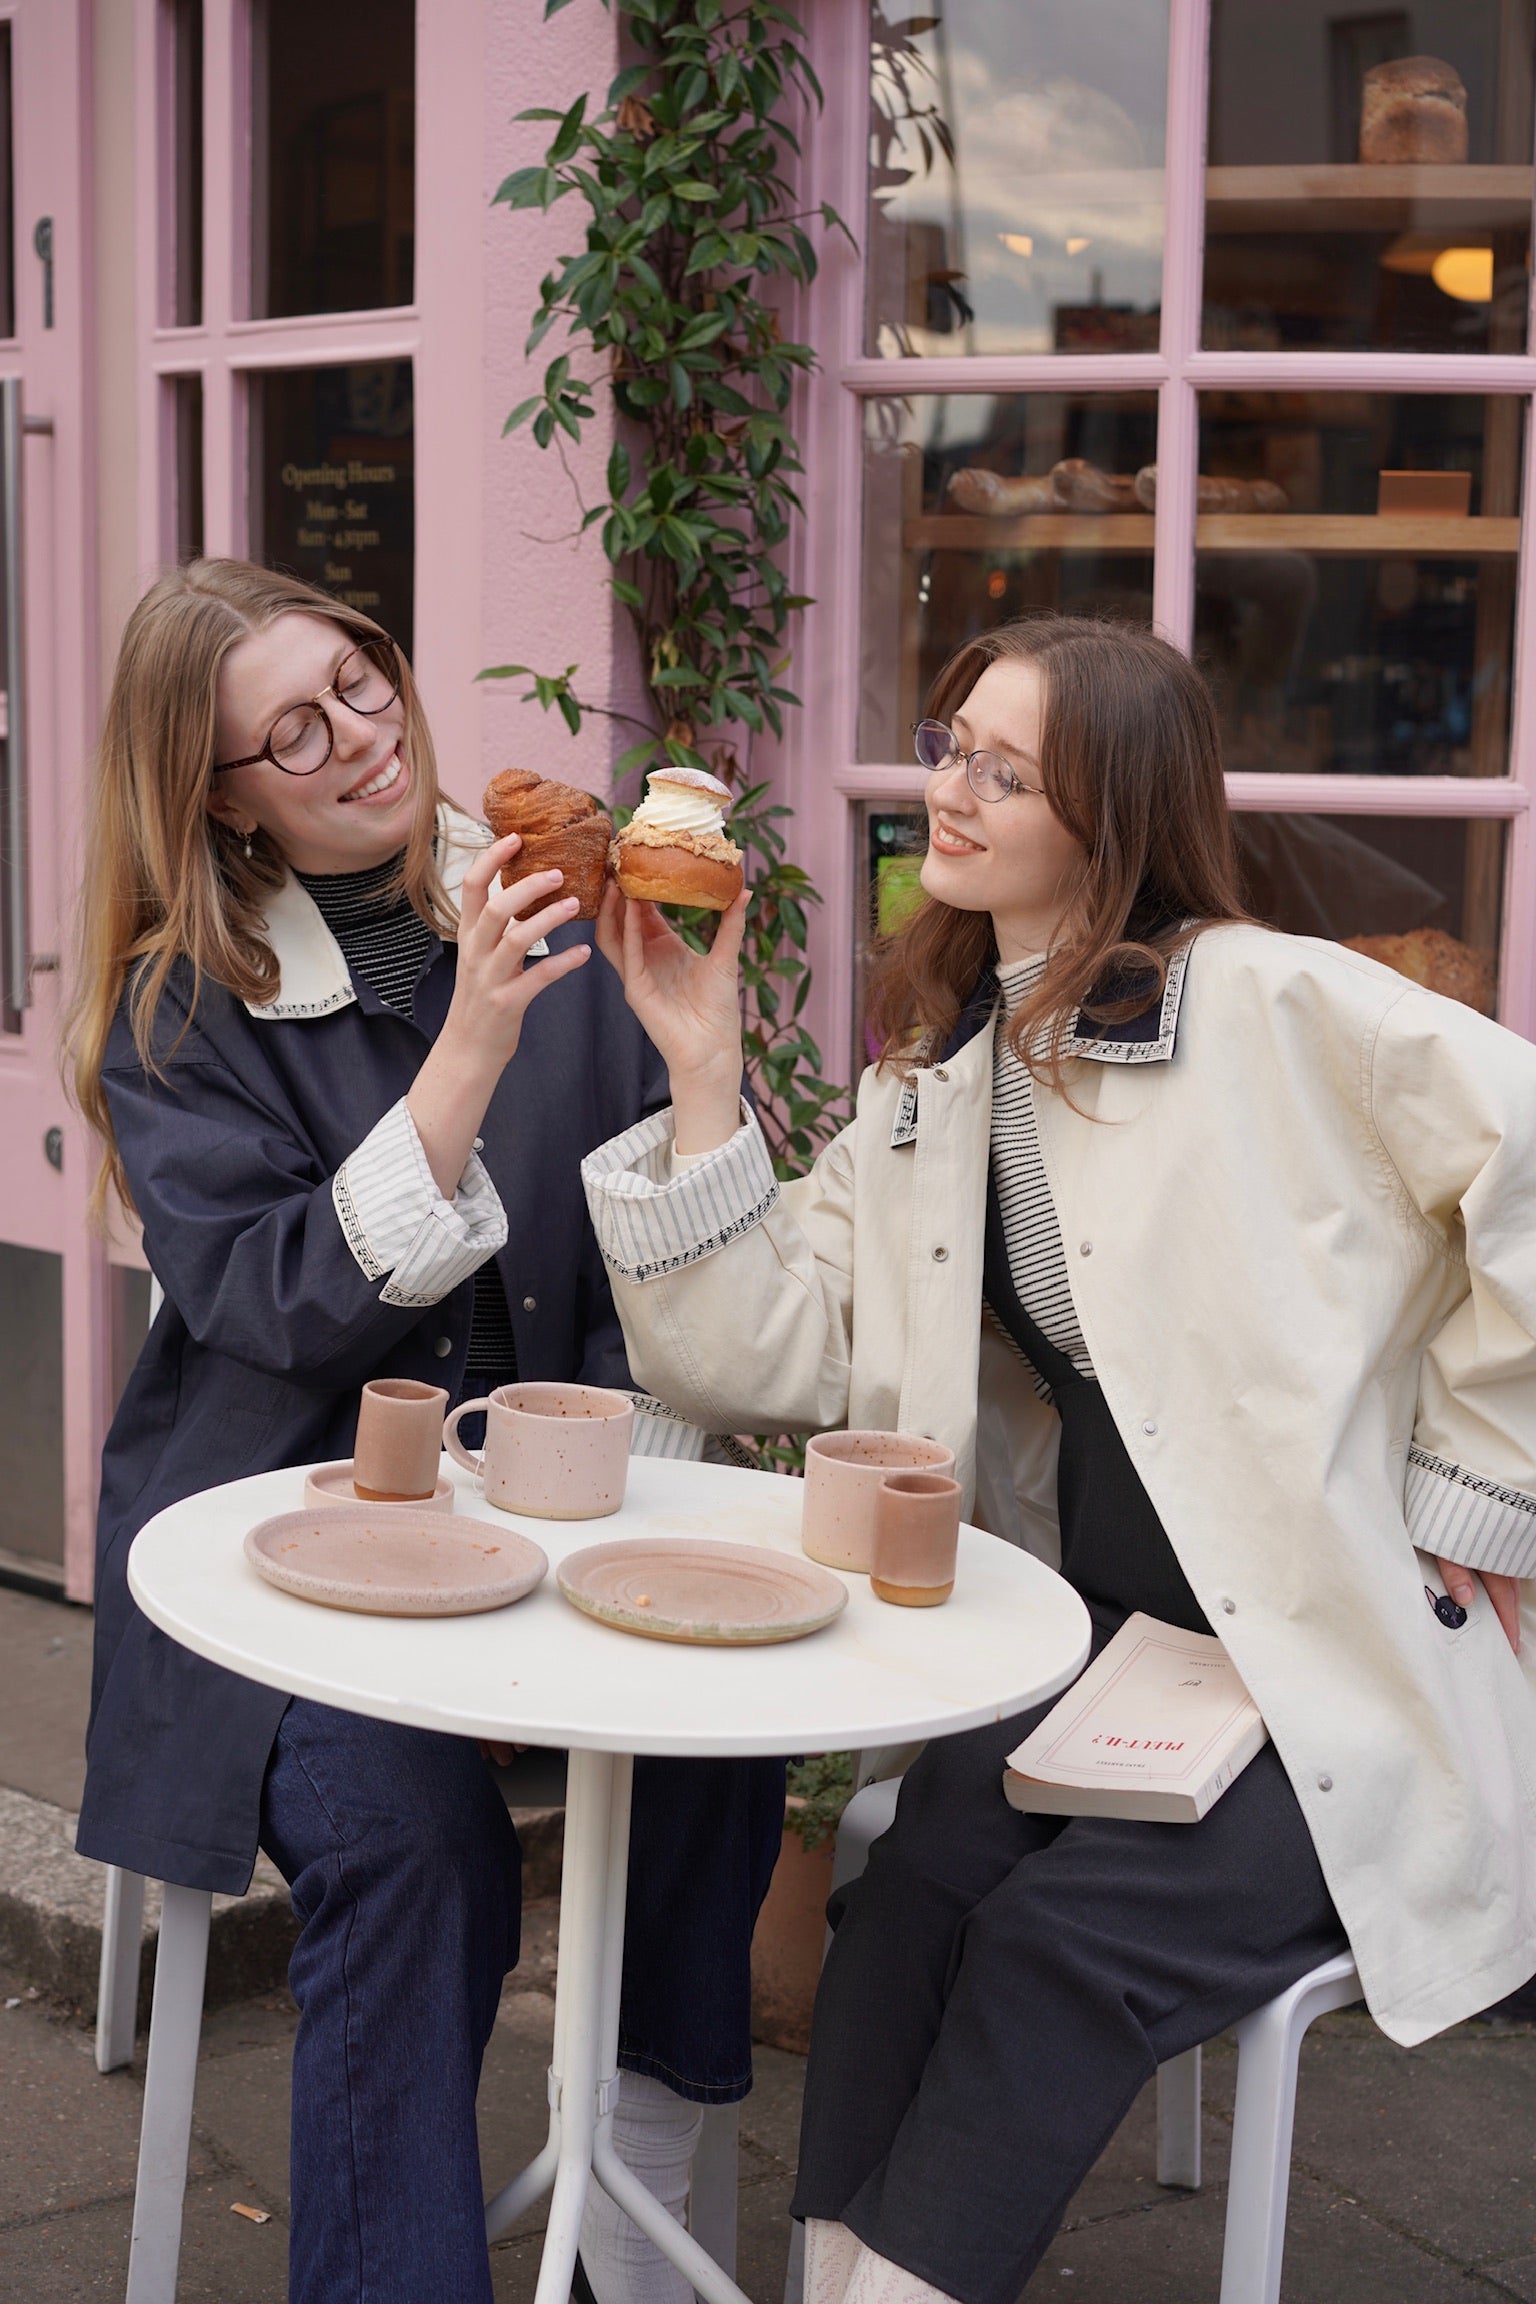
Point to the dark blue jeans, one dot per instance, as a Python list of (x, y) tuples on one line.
[(404, 1871)]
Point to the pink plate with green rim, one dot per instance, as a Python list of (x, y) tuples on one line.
[(711, 1594)]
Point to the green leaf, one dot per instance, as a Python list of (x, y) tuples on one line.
[(569, 136), (528, 188), (570, 711), (618, 470), (505, 672), (520, 414)]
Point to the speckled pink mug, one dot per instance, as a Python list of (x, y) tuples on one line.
[(554, 1451), (843, 1472)]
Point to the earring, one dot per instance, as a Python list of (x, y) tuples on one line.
[(248, 847)]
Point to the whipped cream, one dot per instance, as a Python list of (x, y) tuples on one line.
[(681, 800)]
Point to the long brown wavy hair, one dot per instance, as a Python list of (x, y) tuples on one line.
[(163, 881), (1130, 760)]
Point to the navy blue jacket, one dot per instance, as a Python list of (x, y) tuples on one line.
[(270, 1327)]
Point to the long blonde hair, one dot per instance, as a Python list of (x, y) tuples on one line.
[(163, 881)]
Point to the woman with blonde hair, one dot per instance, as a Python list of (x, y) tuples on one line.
[(345, 1079), (1211, 1252)]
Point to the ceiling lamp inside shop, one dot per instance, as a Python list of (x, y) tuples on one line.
[(1464, 273)]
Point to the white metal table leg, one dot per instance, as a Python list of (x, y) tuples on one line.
[(583, 2079)]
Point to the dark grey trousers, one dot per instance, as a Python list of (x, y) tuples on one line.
[(1000, 1987)]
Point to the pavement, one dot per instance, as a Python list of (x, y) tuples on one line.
[(1414, 2177)]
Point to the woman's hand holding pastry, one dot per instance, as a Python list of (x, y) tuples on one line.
[(493, 991), (690, 1004)]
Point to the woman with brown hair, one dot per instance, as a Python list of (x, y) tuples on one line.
[(1211, 1252), (346, 1079)]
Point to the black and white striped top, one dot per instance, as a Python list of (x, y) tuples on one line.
[(1036, 1257), (386, 943)]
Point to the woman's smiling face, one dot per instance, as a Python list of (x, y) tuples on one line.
[(1012, 858), (352, 813)]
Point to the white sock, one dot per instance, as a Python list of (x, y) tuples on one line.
[(831, 2252), (655, 2135), (876, 2280)]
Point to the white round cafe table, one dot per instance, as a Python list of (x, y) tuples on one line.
[(540, 1672)]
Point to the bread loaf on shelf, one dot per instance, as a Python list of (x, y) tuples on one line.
[(989, 493), (1081, 487), (1218, 495), (1414, 109), (1439, 962)]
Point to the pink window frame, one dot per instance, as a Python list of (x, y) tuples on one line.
[(440, 333), (821, 773)]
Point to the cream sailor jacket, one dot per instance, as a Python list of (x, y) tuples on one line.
[(1299, 1213)]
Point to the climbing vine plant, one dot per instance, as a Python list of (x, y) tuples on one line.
[(691, 226)]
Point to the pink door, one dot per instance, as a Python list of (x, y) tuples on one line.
[(52, 1279)]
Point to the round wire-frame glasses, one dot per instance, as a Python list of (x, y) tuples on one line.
[(987, 773), (301, 740)]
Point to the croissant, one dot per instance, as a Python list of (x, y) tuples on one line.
[(1081, 487), (1439, 962), (1218, 495), (562, 829)]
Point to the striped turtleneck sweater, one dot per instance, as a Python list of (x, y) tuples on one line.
[(386, 943), (1036, 1257)]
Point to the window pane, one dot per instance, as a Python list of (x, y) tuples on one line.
[(32, 1405), (332, 483), (1016, 176), (333, 203), (1353, 204), (188, 391), (1422, 893), (977, 509), (186, 31), (1365, 624)]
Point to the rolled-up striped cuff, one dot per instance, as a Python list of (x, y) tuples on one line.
[(661, 1431), (649, 1221), (396, 1221), (1465, 1516)]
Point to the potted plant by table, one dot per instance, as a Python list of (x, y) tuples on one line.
[(792, 1926)]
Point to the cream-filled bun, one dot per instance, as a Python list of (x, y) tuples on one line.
[(675, 849)]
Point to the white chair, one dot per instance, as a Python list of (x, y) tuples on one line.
[(1268, 2052)]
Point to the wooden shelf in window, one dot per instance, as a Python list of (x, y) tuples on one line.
[(1352, 198), (1326, 532)]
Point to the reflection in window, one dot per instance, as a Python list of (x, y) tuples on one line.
[(1356, 614), (979, 507), (1016, 176), (334, 153), (184, 20), (187, 416), (1421, 893), (1369, 177), (333, 483)]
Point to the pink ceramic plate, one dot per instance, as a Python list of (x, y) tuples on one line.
[(332, 1484), (690, 1588), (390, 1561)]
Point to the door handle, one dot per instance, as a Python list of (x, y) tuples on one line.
[(18, 974)]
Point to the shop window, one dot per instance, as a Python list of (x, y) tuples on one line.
[(184, 24), (1355, 579), (333, 207), (979, 507), (1352, 204), (1422, 893), (333, 484), (187, 418), (1016, 177)]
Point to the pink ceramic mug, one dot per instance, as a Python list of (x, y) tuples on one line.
[(843, 1472), (554, 1451), (917, 1533), (398, 1452)]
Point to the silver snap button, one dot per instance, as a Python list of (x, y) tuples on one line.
[(479, 1144), (940, 1255), (1086, 1249), (1229, 1607), (442, 1346), (1325, 1783), (939, 1072), (530, 1303), (1149, 1426)]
